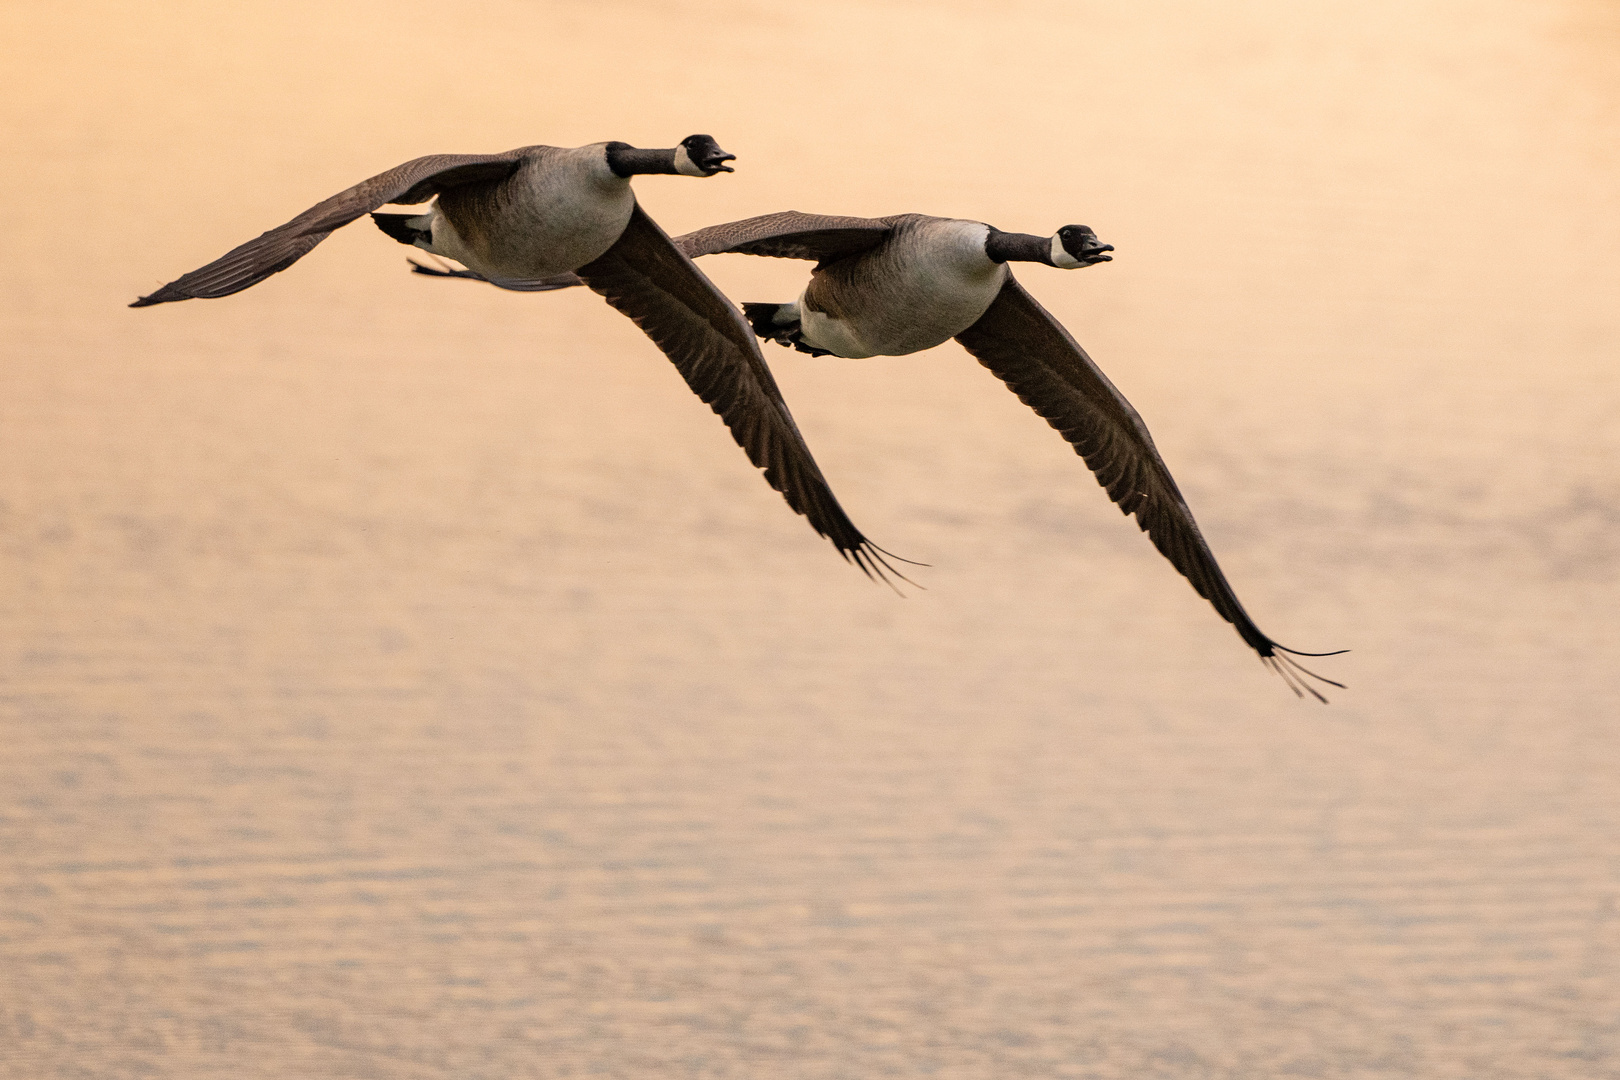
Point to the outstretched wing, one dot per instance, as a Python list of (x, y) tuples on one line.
[(788, 235), (1039, 361), (645, 276), (413, 182)]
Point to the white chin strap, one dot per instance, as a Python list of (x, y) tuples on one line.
[(1061, 256), (684, 164)]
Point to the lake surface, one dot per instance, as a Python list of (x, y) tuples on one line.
[(409, 679)]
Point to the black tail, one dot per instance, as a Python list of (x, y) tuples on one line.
[(398, 226), (773, 323), (762, 317)]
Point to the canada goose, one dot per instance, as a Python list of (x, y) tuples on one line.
[(896, 285), (546, 213)]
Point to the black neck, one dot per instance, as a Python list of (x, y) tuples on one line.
[(626, 160), (1018, 247)]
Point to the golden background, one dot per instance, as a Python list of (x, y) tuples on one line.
[(409, 679)]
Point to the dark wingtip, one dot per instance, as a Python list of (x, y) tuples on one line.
[(165, 295), (1296, 652), (1294, 673), (873, 561)]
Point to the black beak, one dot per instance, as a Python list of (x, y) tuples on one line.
[(1088, 250), (711, 163)]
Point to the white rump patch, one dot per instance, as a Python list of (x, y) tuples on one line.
[(1061, 256), (822, 331), (424, 223)]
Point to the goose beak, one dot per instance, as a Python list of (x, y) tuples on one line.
[(1094, 254), (711, 163)]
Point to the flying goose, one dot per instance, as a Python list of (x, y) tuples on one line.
[(566, 216), (897, 285)]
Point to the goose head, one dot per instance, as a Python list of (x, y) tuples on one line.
[(1074, 246), (1071, 247), (700, 155)]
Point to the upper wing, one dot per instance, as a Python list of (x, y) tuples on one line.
[(788, 235), (645, 276), (274, 251), (1039, 361)]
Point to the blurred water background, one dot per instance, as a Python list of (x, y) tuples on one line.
[(409, 679)]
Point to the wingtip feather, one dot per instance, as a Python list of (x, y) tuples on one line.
[(166, 295)]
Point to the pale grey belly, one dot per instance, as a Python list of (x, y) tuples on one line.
[(534, 240), (899, 321)]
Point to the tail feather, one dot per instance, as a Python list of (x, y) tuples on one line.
[(763, 318), (779, 323), (401, 228)]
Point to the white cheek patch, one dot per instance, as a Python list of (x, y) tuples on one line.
[(684, 164), (1061, 256)]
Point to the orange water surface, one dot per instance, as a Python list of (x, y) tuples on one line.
[(403, 678)]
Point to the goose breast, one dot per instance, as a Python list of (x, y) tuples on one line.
[(926, 283), (560, 210)]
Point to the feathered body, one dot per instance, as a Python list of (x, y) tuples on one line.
[(548, 217), (927, 281), (896, 285), (561, 209)]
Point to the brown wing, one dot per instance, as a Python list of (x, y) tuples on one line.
[(645, 276), (274, 251), (1039, 361), (788, 235)]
